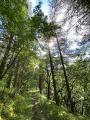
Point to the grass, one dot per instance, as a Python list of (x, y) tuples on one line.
[(55, 112), (18, 109)]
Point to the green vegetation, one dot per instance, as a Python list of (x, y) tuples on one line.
[(55, 112), (18, 108), (45, 60)]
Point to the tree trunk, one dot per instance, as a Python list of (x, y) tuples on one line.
[(5, 58), (11, 63), (66, 80), (9, 80), (82, 109), (48, 83), (40, 85), (49, 88), (16, 75), (53, 77)]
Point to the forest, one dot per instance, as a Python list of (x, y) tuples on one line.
[(45, 60)]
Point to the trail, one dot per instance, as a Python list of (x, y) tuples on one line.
[(38, 112)]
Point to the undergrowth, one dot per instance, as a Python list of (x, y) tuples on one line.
[(19, 108), (55, 112)]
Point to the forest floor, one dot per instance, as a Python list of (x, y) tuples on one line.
[(33, 106), (38, 112)]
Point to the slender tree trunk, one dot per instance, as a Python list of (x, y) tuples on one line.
[(83, 104), (9, 80), (53, 77), (5, 58), (11, 63), (20, 77), (16, 75), (20, 83), (66, 80), (49, 88), (15, 81), (48, 82), (82, 109), (40, 85)]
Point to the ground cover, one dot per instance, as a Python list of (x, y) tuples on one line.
[(33, 106)]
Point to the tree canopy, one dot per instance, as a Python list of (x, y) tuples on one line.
[(45, 59)]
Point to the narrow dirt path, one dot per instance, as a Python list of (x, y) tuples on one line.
[(37, 109), (34, 110)]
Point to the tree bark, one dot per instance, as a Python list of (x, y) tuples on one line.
[(66, 80), (49, 88), (11, 63), (9, 80), (53, 77), (5, 58), (48, 83), (16, 75), (40, 84)]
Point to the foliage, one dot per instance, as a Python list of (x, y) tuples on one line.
[(18, 107), (25, 36), (57, 112)]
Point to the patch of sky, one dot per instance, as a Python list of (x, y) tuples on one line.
[(74, 46), (1, 30), (45, 5)]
